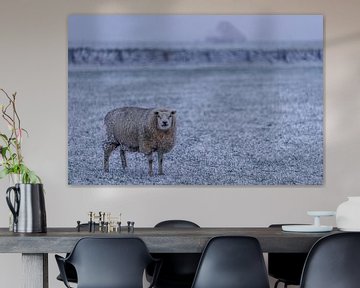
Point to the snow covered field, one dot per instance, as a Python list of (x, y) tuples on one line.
[(237, 124)]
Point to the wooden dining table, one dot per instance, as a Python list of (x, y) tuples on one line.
[(35, 247)]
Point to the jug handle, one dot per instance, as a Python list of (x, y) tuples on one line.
[(13, 208)]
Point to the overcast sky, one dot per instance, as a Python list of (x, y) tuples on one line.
[(189, 28)]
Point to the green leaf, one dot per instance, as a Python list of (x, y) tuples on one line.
[(27, 133), (27, 175), (25, 178), (4, 173), (14, 169), (3, 151), (33, 178), (4, 137)]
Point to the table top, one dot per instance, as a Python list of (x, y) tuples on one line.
[(158, 240)]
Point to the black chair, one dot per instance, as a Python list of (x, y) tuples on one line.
[(70, 273), (333, 262), (69, 269), (286, 267), (232, 262), (178, 269), (108, 263)]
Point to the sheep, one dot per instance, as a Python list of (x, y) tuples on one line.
[(141, 130)]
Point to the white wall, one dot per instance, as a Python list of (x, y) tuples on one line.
[(33, 62)]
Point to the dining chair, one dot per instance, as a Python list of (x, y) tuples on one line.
[(69, 269), (333, 262), (108, 263), (178, 269), (285, 267), (232, 262)]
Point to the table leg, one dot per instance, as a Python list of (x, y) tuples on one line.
[(35, 270)]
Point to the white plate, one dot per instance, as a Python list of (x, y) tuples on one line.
[(321, 213), (306, 228)]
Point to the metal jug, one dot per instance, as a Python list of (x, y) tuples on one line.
[(28, 208)]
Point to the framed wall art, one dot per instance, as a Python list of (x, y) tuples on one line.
[(195, 99)]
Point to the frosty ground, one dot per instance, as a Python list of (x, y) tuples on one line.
[(243, 125)]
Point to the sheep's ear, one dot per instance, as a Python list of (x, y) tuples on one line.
[(173, 112), (156, 112)]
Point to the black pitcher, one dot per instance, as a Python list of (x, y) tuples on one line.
[(28, 207)]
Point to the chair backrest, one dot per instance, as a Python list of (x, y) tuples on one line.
[(178, 269), (176, 224), (333, 262), (232, 262), (110, 262)]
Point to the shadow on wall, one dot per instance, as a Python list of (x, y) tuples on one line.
[(343, 39)]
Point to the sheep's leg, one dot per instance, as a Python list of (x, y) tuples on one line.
[(151, 160), (123, 158), (108, 149), (160, 163)]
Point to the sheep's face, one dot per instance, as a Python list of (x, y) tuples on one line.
[(164, 119)]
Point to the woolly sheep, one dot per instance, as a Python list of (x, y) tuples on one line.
[(141, 130)]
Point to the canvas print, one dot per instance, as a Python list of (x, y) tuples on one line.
[(195, 99)]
